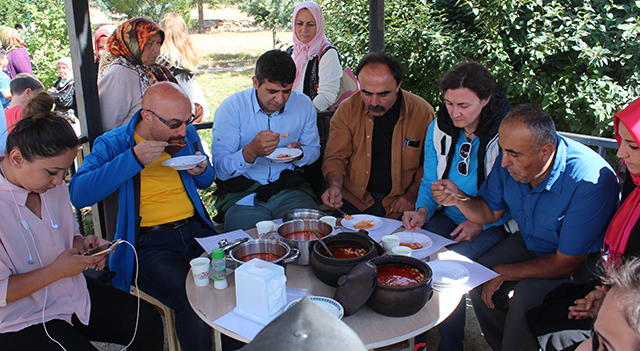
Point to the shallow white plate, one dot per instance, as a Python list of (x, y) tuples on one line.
[(350, 223), (332, 306), (284, 151), (184, 162), (408, 237), (448, 273)]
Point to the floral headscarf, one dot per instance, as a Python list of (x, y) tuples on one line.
[(305, 52), (125, 48), (11, 39)]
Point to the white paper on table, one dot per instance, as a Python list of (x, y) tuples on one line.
[(478, 274), (248, 328), (247, 200), (211, 242), (438, 243)]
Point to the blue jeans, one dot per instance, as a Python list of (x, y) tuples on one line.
[(452, 329), (164, 257), (246, 217)]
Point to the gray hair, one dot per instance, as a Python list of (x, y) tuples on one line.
[(627, 279), (540, 124)]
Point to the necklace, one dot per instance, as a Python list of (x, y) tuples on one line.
[(468, 135)]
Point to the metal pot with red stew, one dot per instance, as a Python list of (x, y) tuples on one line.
[(299, 234), (403, 286), (265, 249)]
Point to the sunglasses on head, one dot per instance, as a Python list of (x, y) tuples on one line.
[(464, 152), (174, 125)]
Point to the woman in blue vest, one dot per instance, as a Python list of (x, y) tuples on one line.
[(461, 145)]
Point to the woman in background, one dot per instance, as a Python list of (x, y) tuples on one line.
[(128, 68), (318, 69), (19, 61), (63, 91), (41, 261), (180, 56), (100, 41)]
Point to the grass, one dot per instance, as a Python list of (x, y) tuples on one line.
[(220, 85)]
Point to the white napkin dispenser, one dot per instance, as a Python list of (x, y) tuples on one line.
[(260, 290)]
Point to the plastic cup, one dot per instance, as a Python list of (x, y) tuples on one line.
[(200, 269), (402, 251), (330, 220), (264, 227), (389, 242)]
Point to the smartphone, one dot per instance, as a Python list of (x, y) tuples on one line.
[(103, 249)]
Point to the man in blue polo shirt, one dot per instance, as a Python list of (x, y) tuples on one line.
[(562, 195), (250, 125)]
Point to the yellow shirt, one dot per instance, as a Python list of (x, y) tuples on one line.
[(163, 198)]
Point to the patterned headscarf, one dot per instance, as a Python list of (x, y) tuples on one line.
[(125, 48), (305, 52), (11, 39)]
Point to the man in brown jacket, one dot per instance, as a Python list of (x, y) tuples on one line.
[(373, 158)]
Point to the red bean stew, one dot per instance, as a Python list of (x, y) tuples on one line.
[(399, 275), (343, 252), (269, 257), (303, 235)]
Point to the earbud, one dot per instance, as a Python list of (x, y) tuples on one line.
[(30, 262), (25, 224), (55, 226)]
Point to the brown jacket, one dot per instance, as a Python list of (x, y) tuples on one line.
[(348, 149)]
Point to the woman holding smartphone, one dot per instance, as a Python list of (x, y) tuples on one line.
[(46, 303)]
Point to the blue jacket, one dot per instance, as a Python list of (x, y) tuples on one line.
[(112, 166)]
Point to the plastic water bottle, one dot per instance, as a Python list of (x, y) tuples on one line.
[(219, 266)]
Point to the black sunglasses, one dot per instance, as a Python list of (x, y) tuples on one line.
[(465, 151), (174, 125)]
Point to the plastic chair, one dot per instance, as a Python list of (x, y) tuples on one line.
[(174, 344)]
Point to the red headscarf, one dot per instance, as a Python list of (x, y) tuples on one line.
[(128, 41), (305, 52), (617, 236)]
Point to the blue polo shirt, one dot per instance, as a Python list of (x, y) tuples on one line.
[(569, 211)]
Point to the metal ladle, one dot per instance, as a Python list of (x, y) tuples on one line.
[(323, 244)]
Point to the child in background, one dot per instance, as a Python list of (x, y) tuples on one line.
[(5, 91), (23, 86)]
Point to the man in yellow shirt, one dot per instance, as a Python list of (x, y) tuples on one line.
[(159, 208)]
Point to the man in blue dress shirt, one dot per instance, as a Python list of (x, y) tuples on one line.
[(562, 195), (250, 125)]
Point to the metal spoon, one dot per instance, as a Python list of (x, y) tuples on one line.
[(344, 214), (323, 244)]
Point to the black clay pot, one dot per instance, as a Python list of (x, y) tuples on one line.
[(329, 269), (401, 301)]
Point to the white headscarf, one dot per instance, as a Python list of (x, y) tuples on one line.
[(305, 52)]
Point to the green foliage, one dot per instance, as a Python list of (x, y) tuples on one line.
[(271, 14), (576, 59), (12, 12), (148, 8), (47, 38)]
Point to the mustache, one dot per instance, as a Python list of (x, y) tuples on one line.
[(376, 108)]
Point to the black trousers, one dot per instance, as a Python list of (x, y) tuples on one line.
[(112, 319)]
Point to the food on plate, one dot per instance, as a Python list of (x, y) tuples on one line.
[(284, 156), (364, 224), (413, 246), (395, 275), (343, 252), (302, 235), (285, 135), (265, 256)]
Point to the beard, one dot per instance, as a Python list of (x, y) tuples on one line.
[(175, 145)]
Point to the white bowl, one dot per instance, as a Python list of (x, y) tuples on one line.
[(182, 163)]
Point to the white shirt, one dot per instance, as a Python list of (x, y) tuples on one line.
[(329, 74)]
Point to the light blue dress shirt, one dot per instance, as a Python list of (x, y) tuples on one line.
[(240, 118), (569, 211)]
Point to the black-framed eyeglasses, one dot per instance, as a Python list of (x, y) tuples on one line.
[(174, 125), (464, 152)]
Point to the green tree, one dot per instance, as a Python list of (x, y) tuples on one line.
[(272, 14), (147, 8), (12, 12), (576, 59)]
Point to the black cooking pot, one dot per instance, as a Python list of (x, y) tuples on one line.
[(329, 269), (401, 301)]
